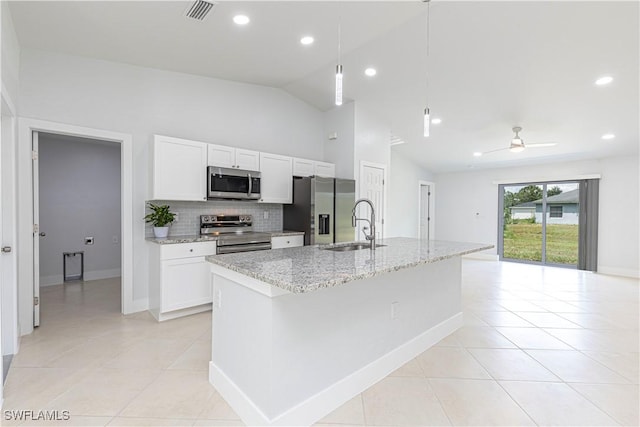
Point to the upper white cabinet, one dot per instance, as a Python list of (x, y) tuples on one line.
[(229, 157), (327, 170), (305, 167), (276, 185), (179, 169)]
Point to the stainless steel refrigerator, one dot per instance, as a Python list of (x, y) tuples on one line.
[(322, 209)]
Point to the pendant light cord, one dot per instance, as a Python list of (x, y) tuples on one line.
[(427, 31)]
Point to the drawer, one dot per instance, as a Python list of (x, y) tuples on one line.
[(280, 242), (187, 250)]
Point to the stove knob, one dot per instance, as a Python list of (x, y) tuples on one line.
[(205, 219)]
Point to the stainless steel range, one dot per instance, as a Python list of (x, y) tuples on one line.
[(235, 233)]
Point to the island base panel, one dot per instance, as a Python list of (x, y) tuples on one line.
[(293, 358)]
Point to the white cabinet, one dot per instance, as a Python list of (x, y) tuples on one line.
[(276, 185), (305, 167), (327, 170), (179, 279), (179, 169), (280, 242), (229, 157)]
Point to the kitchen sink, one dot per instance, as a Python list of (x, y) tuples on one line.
[(349, 247)]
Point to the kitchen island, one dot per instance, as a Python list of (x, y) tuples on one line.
[(297, 332)]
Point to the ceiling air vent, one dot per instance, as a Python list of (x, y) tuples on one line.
[(199, 10)]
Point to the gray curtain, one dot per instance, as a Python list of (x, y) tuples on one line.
[(588, 216)]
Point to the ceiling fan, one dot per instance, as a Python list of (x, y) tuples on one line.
[(517, 144)]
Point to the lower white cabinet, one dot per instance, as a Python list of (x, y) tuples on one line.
[(179, 279), (280, 242)]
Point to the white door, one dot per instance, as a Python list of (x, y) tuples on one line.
[(2, 263), (372, 188), (425, 210), (36, 233)]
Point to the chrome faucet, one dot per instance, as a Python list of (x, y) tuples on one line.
[(372, 222)]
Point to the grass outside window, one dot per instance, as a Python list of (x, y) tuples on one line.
[(523, 241)]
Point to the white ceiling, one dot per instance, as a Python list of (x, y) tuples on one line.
[(492, 65)]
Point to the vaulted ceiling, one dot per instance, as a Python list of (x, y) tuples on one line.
[(491, 65)]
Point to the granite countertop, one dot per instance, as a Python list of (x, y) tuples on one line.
[(309, 268), (191, 238)]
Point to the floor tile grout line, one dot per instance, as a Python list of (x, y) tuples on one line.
[(595, 403), (444, 410)]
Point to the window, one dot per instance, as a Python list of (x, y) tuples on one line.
[(555, 211)]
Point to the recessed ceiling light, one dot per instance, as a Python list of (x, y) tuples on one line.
[(608, 136), (605, 80), (370, 72), (241, 19), (306, 40), (436, 121), (477, 154)]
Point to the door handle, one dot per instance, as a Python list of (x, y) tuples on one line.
[(6, 249), (42, 234), (250, 184)]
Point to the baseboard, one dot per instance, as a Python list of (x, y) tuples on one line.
[(482, 256), (58, 279), (624, 272), (331, 398), (102, 274)]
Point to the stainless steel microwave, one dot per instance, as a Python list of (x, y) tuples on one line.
[(236, 184)]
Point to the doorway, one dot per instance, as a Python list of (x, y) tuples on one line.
[(426, 210), (372, 187), (25, 234), (77, 198), (540, 223)]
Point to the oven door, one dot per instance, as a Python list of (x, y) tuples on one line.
[(225, 183), (242, 248)]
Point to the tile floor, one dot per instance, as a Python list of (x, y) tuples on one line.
[(540, 345)]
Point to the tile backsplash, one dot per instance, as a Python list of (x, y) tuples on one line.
[(189, 215)]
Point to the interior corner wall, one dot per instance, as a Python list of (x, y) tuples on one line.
[(142, 102), (79, 197), (10, 54), (467, 206), (403, 203), (372, 141), (341, 121)]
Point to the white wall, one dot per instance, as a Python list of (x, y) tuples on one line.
[(340, 120), (79, 197), (142, 102), (10, 54), (467, 206), (372, 137), (402, 207)]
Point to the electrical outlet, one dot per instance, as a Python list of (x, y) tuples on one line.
[(88, 240), (218, 299), (115, 240), (394, 310), (265, 215), (175, 219)]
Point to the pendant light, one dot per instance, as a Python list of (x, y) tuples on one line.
[(339, 73), (427, 121)]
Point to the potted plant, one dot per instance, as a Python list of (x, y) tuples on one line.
[(161, 217)]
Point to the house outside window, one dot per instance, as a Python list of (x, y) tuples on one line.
[(555, 211)]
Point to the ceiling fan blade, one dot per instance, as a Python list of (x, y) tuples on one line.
[(541, 144), (493, 151)]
